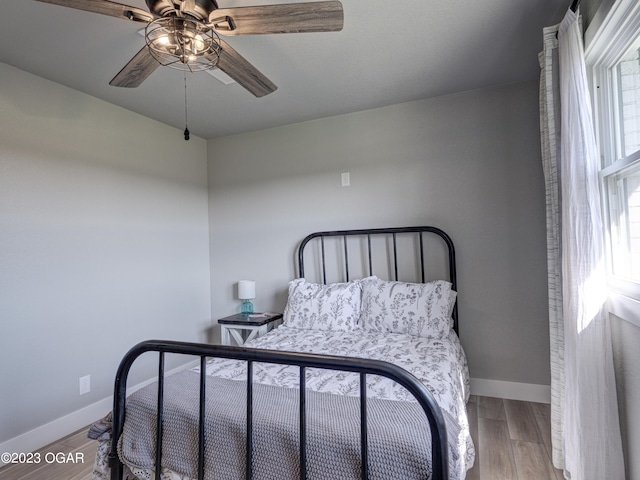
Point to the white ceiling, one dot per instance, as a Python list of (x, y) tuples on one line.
[(388, 52)]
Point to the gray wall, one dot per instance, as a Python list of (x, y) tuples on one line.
[(103, 243), (468, 163), (588, 10)]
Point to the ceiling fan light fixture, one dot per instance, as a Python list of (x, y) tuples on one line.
[(183, 43)]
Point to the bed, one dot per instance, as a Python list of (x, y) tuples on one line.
[(365, 378)]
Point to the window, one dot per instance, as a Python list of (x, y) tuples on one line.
[(627, 73), (613, 59)]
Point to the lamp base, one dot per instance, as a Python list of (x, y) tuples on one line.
[(246, 307)]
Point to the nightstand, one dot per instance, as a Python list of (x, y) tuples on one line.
[(255, 324)]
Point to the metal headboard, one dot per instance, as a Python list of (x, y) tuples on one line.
[(392, 234)]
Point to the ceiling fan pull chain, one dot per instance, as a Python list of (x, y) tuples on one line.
[(186, 128)]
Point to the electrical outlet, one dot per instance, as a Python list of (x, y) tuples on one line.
[(85, 384)]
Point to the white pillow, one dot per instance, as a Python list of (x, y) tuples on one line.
[(323, 307), (420, 309)]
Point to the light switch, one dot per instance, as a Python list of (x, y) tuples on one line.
[(346, 179), (85, 384)]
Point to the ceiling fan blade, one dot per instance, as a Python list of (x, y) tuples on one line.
[(105, 7), (283, 18), (238, 68), (136, 71)]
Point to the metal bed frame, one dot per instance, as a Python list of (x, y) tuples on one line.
[(439, 445)]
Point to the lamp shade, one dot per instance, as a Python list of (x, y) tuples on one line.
[(246, 289)]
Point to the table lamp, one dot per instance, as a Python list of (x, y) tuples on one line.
[(246, 293)]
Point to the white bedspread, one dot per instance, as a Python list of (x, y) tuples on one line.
[(439, 364)]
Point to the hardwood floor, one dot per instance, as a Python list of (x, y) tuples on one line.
[(512, 438), (81, 449)]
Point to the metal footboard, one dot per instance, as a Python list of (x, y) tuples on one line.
[(439, 446)]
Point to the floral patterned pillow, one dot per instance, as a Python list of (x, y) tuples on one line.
[(316, 306), (420, 309)]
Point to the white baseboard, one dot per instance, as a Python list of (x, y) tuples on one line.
[(61, 427), (511, 390)]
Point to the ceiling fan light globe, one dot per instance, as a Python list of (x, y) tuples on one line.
[(198, 44)]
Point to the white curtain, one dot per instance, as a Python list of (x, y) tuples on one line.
[(585, 427)]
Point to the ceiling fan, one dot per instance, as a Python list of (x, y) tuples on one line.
[(183, 34)]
